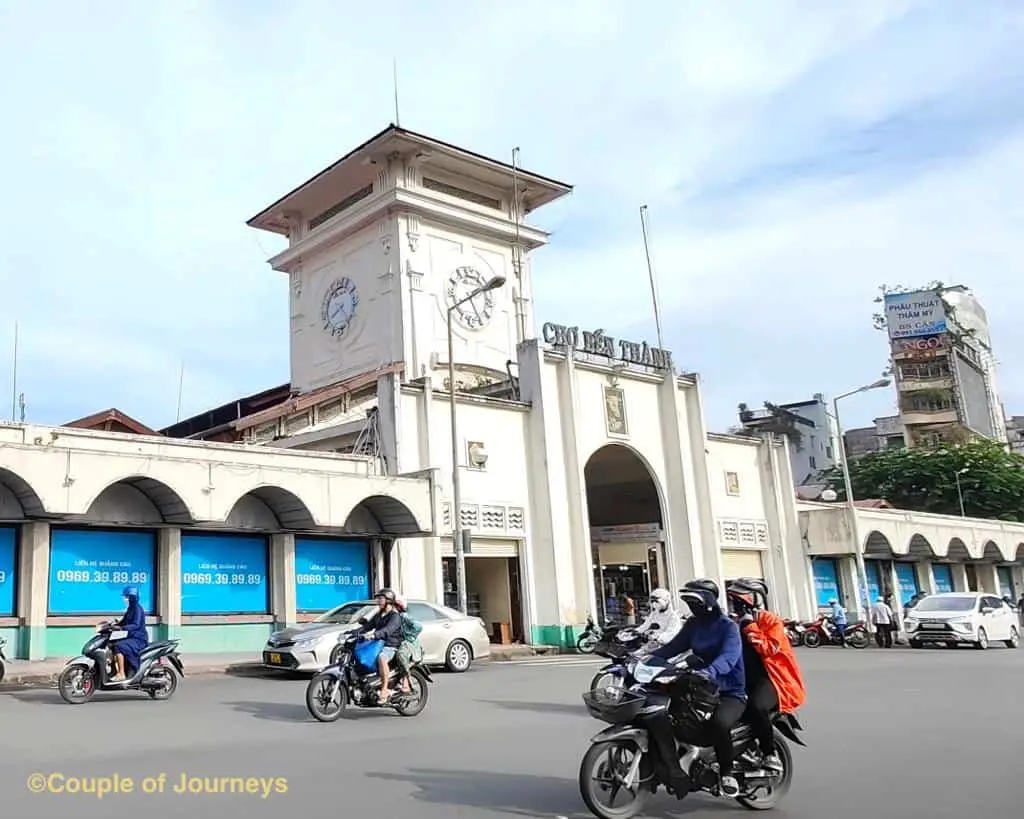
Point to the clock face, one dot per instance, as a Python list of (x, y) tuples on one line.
[(339, 307), (475, 313)]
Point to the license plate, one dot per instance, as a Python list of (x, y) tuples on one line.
[(934, 625), (275, 659)]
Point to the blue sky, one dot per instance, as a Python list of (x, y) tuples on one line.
[(794, 157)]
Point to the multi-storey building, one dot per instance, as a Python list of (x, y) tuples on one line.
[(943, 366), (807, 425)]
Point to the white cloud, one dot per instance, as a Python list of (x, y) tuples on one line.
[(140, 142)]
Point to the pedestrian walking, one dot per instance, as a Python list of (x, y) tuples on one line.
[(883, 618), (628, 610)]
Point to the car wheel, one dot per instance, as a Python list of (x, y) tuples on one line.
[(1014, 640), (916, 644), (982, 642), (459, 656)]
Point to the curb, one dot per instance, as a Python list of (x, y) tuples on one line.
[(49, 680)]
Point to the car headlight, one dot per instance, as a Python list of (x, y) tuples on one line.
[(912, 623), (308, 644)]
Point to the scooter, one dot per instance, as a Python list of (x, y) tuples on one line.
[(591, 636), (795, 631), (94, 669), (620, 648), (818, 633), (3, 660)]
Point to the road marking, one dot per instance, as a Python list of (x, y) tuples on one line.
[(557, 661)]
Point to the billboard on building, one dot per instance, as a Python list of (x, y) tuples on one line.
[(908, 315)]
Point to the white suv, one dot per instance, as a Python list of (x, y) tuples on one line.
[(953, 618)]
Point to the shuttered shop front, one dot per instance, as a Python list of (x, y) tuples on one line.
[(741, 563)]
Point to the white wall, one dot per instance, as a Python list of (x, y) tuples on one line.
[(439, 251), (317, 358)]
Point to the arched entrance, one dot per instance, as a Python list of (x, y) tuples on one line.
[(626, 530)]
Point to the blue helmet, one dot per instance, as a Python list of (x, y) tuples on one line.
[(130, 591)]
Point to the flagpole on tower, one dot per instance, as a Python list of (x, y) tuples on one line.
[(644, 219), (394, 82)]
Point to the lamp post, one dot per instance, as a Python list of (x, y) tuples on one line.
[(460, 553), (960, 489), (858, 546)]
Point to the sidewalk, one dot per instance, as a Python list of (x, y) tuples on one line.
[(45, 672)]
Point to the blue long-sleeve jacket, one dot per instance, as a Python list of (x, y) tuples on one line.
[(718, 643), (839, 614)]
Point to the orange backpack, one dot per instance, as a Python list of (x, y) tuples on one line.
[(767, 634)]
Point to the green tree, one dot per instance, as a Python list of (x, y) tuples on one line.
[(924, 479)]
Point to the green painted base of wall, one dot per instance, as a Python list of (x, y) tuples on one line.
[(559, 636), (226, 639), (12, 635), (67, 641)]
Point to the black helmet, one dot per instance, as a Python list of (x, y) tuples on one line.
[(746, 594), (700, 595), (387, 594), (704, 584)]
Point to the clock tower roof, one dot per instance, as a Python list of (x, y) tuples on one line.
[(355, 172)]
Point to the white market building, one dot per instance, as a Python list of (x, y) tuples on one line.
[(587, 470)]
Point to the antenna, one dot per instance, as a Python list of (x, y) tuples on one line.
[(14, 378), (644, 218), (394, 79), (181, 383), (517, 249)]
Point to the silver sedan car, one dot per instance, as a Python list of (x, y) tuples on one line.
[(449, 638)]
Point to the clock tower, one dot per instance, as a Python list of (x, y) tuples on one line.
[(384, 241)]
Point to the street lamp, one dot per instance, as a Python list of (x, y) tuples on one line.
[(460, 552), (960, 489), (858, 546)]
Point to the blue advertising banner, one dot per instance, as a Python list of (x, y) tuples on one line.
[(1005, 582), (90, 567), (907, 578), (942, 574), (826, 581), (329, 572), (908, 315), (224, 574), (8, 572), (874, 572)]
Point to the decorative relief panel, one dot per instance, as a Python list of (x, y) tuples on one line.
[(486, 518), (751, 534)]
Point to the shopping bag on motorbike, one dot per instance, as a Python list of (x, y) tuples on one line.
[(367, 652)]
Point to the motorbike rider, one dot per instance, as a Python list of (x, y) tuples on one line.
[(662, 623), (127, 651), (716, 654), (837, 614), (774, 682), (410, 651), (386, 625)]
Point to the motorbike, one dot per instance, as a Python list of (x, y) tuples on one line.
[(591, 636), (619, 647), (160, 665), (795, 632), (624, 759), (348, 681), (3, 660), (817, 633)]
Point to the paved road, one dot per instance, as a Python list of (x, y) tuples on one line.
[(891, 734)]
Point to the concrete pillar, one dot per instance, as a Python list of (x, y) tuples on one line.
[(282, 580), (33, 589), (707, 557), (679, 515), (168, 590), (959, 577), (925, 577), (547, 559), (988, 578)]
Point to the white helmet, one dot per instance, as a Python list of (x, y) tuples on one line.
[(660, 600)]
